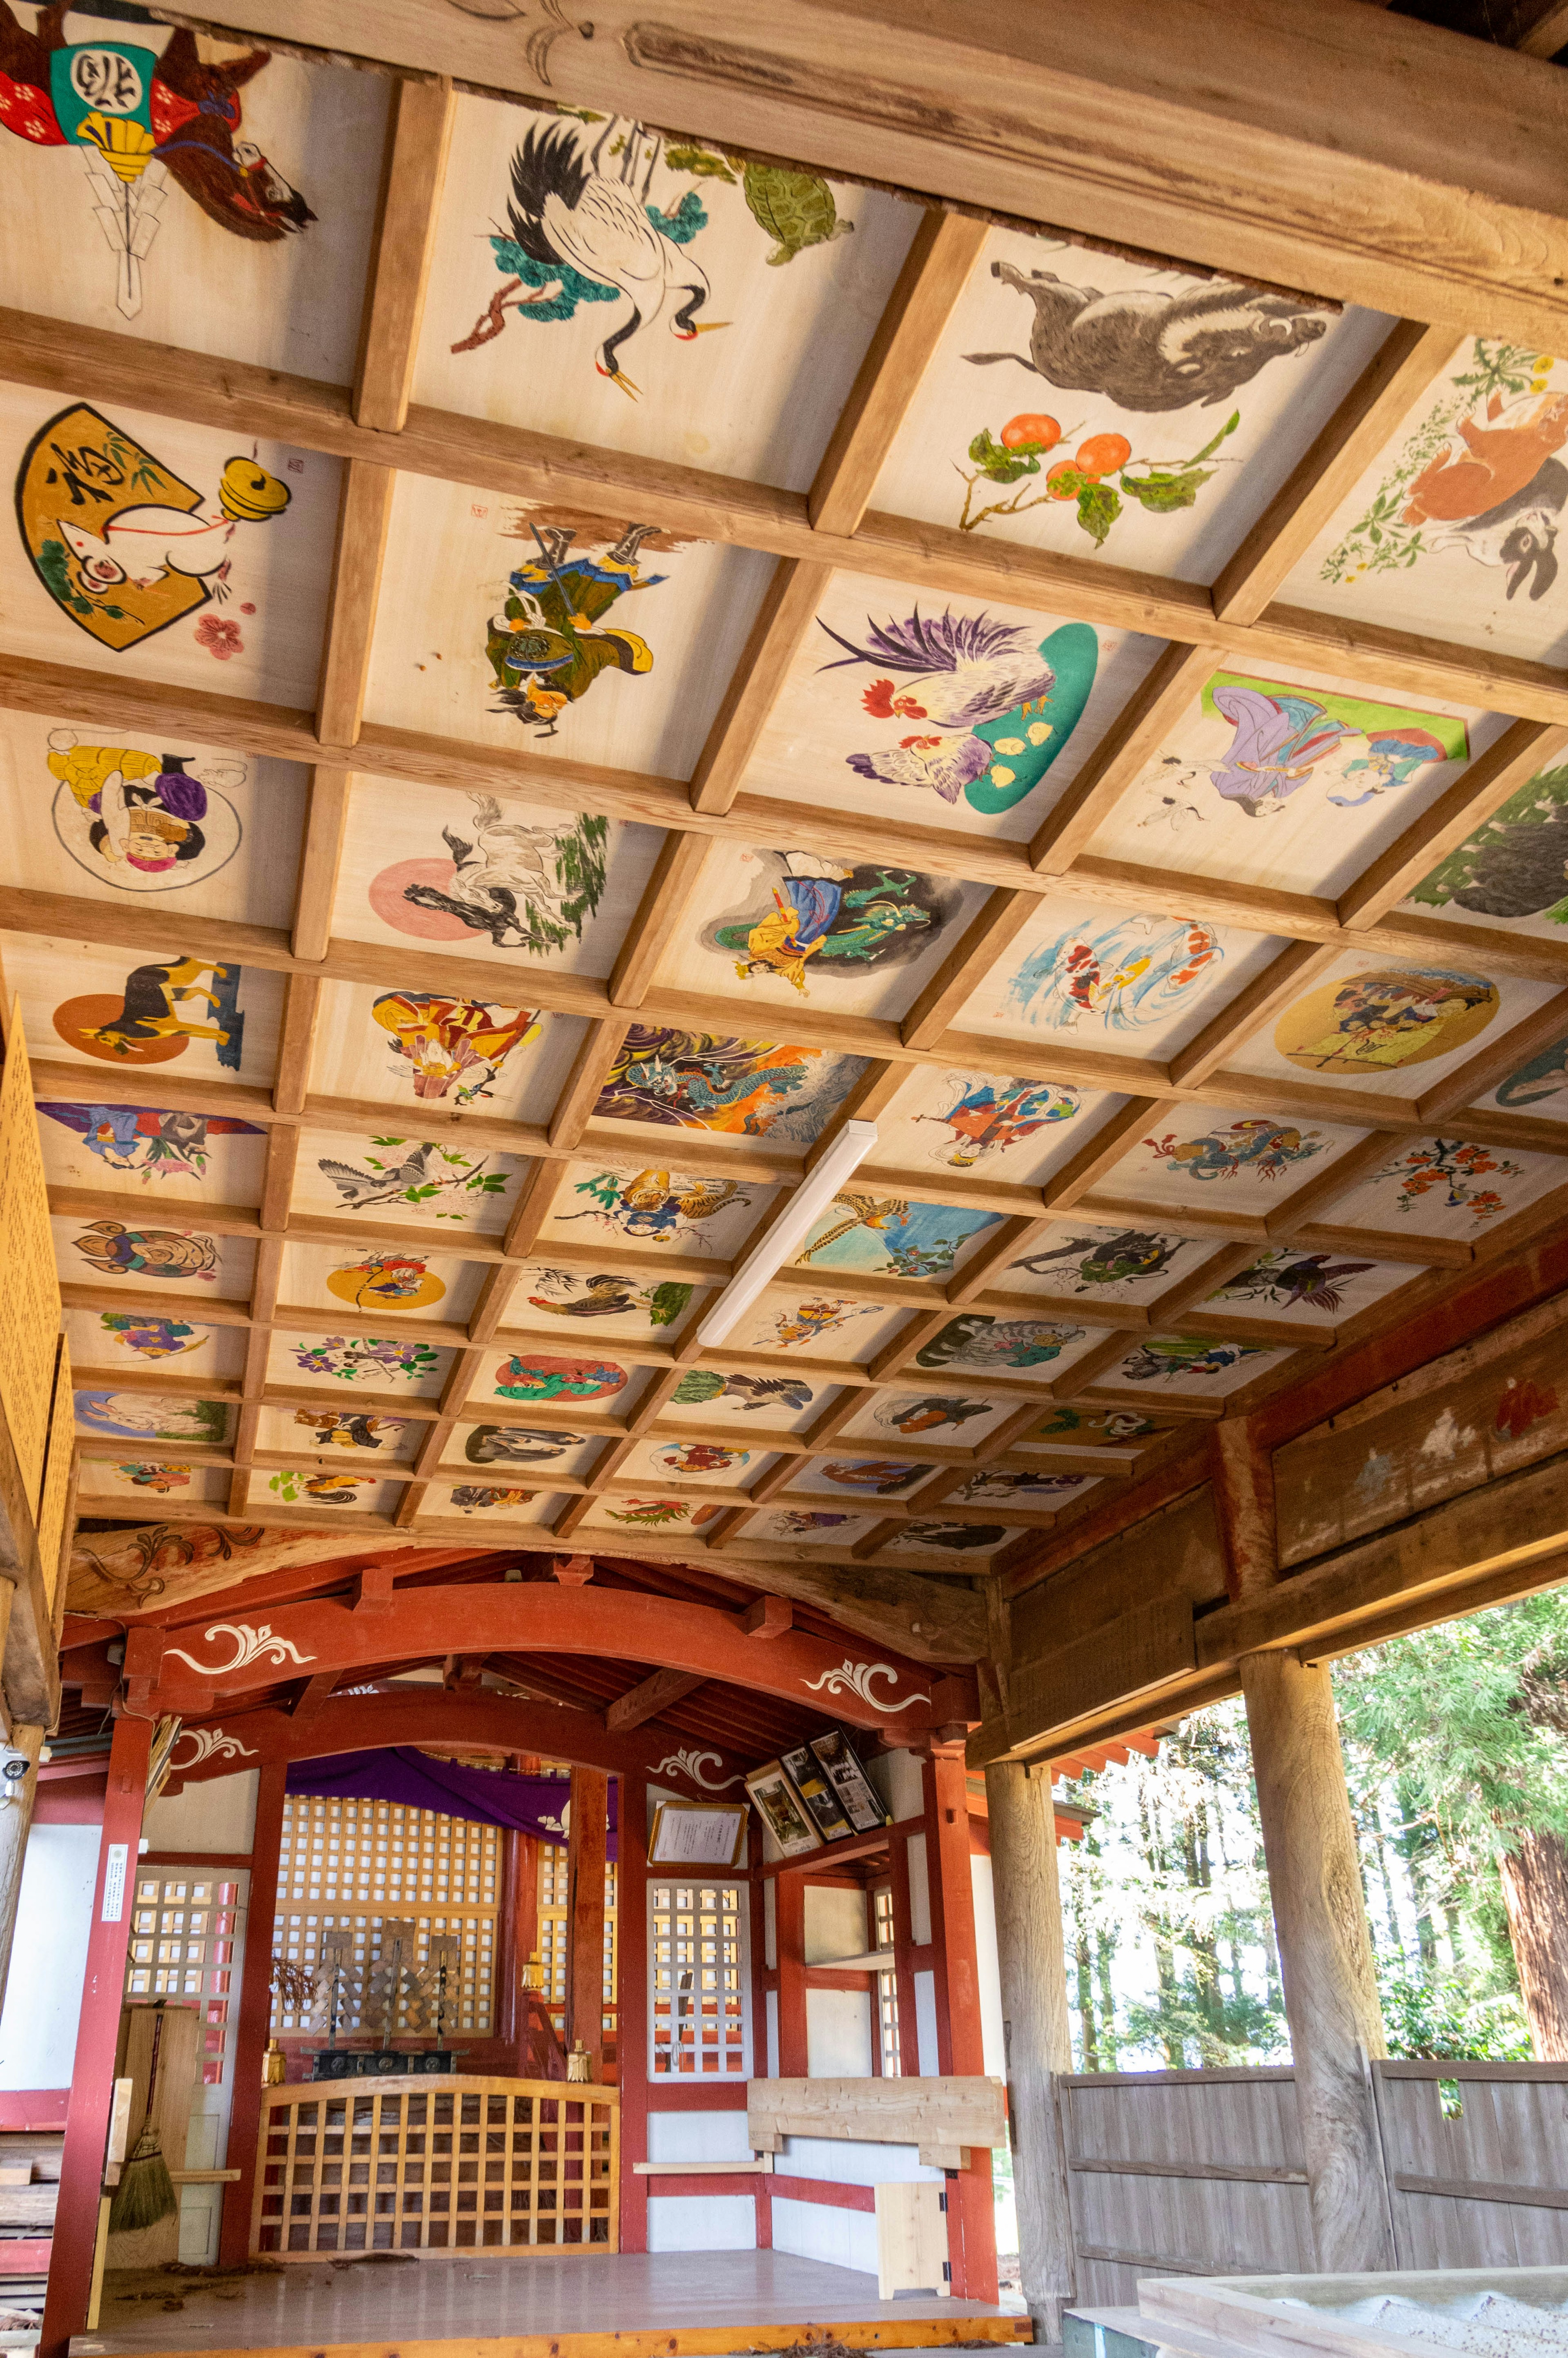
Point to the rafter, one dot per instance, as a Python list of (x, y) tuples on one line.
[(419, 134)]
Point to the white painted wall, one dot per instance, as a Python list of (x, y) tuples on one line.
[(919, 1890), (698, 2137), (770, 1923), (772, 2014), (925, 2026), (815, 2231), (897, 1779), (835, 1923), (992, 2042), (837, 2034), (705, 2223), (49, 1959), (852, 2161), (217, 1817)]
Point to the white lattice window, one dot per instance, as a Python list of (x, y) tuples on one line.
[(700, 1982), (887, 1983), (184, 1935), (344, 1864)]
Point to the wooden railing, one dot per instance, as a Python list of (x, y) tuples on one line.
[(421, 2164)]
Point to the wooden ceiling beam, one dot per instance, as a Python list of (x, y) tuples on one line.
[(668, 893), (649, 1698), (945, 250), (961, 973), (413, 171), (785, 615), (1445, 824), (1131, 739), (364, 518), (1255, 1006), (320, 861), (1332, 155), (1405, 365), (98, 365)]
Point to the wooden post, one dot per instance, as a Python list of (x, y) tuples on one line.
[(98, 2031), (971, 2202), (1326, 1954), (16, 1823), (585, 1913), (1031, 1955), (1242, 1471), (789, 1931), (253, 2022), (631, 2001)]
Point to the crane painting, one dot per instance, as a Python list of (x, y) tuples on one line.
[(602, 217)]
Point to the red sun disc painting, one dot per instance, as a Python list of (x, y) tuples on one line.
[(404, 916)]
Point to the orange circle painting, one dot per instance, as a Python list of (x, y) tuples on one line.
[(79, 1023), (1382, 1020), (387, 1282)]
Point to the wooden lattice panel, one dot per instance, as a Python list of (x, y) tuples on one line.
[(413, 2165), (381, 1854), (698, 1959), (346, 1865), (183, 1930)]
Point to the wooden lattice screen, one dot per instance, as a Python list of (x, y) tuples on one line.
[(344, 1864), (409, 2165), (697, 1958)]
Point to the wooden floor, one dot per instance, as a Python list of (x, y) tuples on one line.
[(676, 2304)]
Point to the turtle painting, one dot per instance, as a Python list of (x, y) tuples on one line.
[(795, 208)]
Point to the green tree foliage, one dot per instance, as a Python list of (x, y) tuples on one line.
[(1456, 1759)]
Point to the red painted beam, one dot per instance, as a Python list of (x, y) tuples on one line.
[(232, 1657), (349, 1723)]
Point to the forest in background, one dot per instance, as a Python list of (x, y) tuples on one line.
[(1456, 1747)]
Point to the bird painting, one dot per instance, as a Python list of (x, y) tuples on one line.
[(359, 1188), (994, 707), (595, 237)]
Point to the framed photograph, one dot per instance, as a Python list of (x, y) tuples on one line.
[(697, 1833), (857, 1796), (782, 1811), (812, 1782)]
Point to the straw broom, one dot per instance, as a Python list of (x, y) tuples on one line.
[(146, 2192)]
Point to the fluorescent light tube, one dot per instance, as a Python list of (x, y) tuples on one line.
[(851, 1146)]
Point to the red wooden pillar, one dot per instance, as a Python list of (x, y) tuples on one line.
[(790, 1924), (632, 2000), (585, 1914), (971, 2212), (97, 2036), (254, 2018)]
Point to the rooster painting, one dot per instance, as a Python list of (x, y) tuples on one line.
[(995, 707), (138, 114)]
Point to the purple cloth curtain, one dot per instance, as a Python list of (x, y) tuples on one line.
[(535, 1805)]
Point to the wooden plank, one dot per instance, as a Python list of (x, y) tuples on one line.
[(945, 250), (945, 2114), (1135, 735), (1479, 2190), (418, 136), (1253, 1007), (1244, 2173)]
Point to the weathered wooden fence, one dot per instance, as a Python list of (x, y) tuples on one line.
[(1201, 2174)]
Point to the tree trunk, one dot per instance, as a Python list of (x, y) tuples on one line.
[(1535, 1894)]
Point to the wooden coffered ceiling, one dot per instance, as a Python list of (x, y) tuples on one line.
[(503, 762)]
